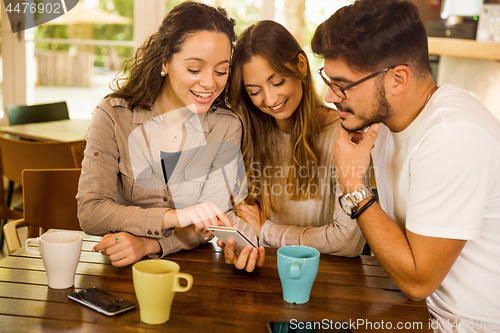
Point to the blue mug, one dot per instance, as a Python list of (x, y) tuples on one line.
[(297, 268)]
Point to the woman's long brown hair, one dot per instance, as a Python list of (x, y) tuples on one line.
[(144, 83), (280, 49)]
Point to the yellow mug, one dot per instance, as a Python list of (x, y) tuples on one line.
[(155, 282)]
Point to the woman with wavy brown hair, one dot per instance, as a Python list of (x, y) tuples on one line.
[(287, 137), (151, 178)]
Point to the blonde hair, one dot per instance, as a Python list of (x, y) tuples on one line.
[(280, 49)]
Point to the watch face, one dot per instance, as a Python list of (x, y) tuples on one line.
[(345, 206)]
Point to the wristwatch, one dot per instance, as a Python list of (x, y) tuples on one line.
[(350, 201)]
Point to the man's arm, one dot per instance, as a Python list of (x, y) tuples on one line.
[(417, 264)]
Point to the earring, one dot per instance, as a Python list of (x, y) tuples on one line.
[(163, 73)]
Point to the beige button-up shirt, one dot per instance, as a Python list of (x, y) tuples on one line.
[(122, 187)]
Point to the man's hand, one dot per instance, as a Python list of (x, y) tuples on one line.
[(351, 154), (248, 259)]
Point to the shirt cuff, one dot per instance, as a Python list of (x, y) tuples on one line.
[(154, 223), (263, 231), (181, 239)]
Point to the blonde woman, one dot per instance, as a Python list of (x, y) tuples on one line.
[(287, 139)]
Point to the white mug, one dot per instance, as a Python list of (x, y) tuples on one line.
[(60, 253)]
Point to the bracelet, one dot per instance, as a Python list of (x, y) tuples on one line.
[(362, 209)]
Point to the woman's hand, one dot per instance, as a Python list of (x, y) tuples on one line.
[(201, 215), (252, 215), (247, 259), (125, 249)]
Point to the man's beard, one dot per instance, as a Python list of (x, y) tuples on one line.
[(382, 111)]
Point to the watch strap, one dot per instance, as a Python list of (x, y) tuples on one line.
[(362, 209)]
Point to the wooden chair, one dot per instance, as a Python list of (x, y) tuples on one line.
[(26, 114), (49, 203), (38, 113), (17, 155)]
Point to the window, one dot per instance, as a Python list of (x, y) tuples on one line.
[(244, 12), (77, 62), (1, 74), (301, 18)]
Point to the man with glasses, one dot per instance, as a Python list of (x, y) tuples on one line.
[(436, 153)]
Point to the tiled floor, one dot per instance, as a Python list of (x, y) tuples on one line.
[(22, 231)]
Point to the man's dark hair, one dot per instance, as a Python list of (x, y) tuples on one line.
[(373, 34)]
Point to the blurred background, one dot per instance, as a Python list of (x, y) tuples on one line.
[(76, 56)]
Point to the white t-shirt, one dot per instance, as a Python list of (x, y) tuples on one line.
[(440, 177)]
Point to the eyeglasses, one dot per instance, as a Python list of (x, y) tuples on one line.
[(340, 91)]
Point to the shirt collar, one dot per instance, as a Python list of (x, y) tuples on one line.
[(140, 116), (198, 121)]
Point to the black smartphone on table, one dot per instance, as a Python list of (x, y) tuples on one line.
[(294, 326), (101, 301)]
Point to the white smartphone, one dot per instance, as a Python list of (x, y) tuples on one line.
[(227, 233)]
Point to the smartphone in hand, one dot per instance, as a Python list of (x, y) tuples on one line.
[(101, 301), (227, 233)]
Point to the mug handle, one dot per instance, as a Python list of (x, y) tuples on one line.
[(27, 246), (295, 270), (185, 276)]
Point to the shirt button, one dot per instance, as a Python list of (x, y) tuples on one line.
[(149, 232), (96, 154), (156, 232), (165, 199)]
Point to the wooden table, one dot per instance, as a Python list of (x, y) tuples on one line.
[(68, 130), (222, 298)]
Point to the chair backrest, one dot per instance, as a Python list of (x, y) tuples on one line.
[(50, 199), (17, 155), (25, 114)]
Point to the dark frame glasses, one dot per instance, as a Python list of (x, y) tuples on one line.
[(340, 91)]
